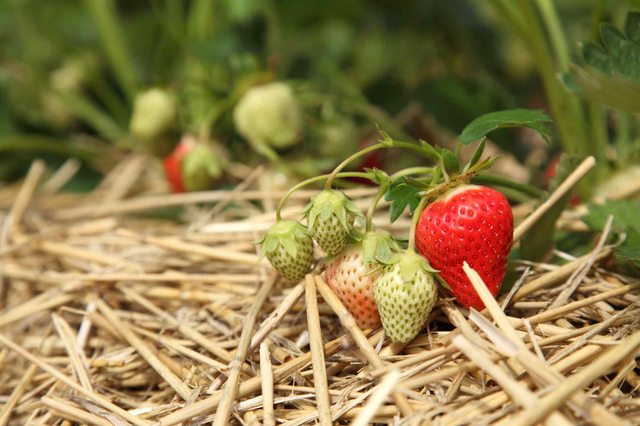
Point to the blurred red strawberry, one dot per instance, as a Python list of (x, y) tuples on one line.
[(193, 166)]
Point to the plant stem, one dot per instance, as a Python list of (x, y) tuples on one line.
[(523, 188), (510, 10), (348, 160), (598, 119), (413, 171), (201, 19), (414, 224), (85, 109), (106, 19), (375, 147), (314, 179), (596, 145), (556, 34), (623, 137), (566, 108), (372, 207)]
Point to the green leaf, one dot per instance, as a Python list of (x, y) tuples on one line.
[(476, 156), (630, 249), (539, 240), (614, 91), (597, 57), (430, 150), (481, 126), (632, 26), (620, 52), (612, 74), (625, 215), (451, 162), (402, 195), (625, 219), (379, 176)]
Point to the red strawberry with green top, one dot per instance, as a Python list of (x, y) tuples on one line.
[(193, 166), (352, 274), (469, 223)]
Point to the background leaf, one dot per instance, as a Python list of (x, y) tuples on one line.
[(612, 74), (481, 126), (625, 219), (539, 240), (619, 54), (614, 91)]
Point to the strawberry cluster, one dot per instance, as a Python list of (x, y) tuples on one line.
[(379, 282)]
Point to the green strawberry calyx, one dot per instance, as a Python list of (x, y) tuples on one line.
[(201, 166), (330, 203), (409, 264), (379, 247), (285, 233)]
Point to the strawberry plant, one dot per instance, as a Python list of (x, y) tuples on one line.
[(453, 222)]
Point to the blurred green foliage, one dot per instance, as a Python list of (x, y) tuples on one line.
[(70, 70)]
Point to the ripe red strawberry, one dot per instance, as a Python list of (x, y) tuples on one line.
[(472, 224), (351, 279), (173, 164), (193, 166)]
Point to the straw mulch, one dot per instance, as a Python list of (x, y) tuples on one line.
[(112, 319)]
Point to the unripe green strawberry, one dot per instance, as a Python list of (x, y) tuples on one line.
[(269, 114), (155, 112), (405, 294), (289, 248), (353, 272), (330, 216)]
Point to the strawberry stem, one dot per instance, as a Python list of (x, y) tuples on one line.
[(414, 223), (372, 207), (383, 189), (314, 179), (388, 143), (489, 179)]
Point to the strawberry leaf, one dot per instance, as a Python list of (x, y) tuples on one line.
[(630, 249), (614, 91), (401, 194), (450, 162), (619, 54), (485, 124), (539, 240), (625, 219), (612, 74), (476, 156), (430, 150), (378, 176)]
